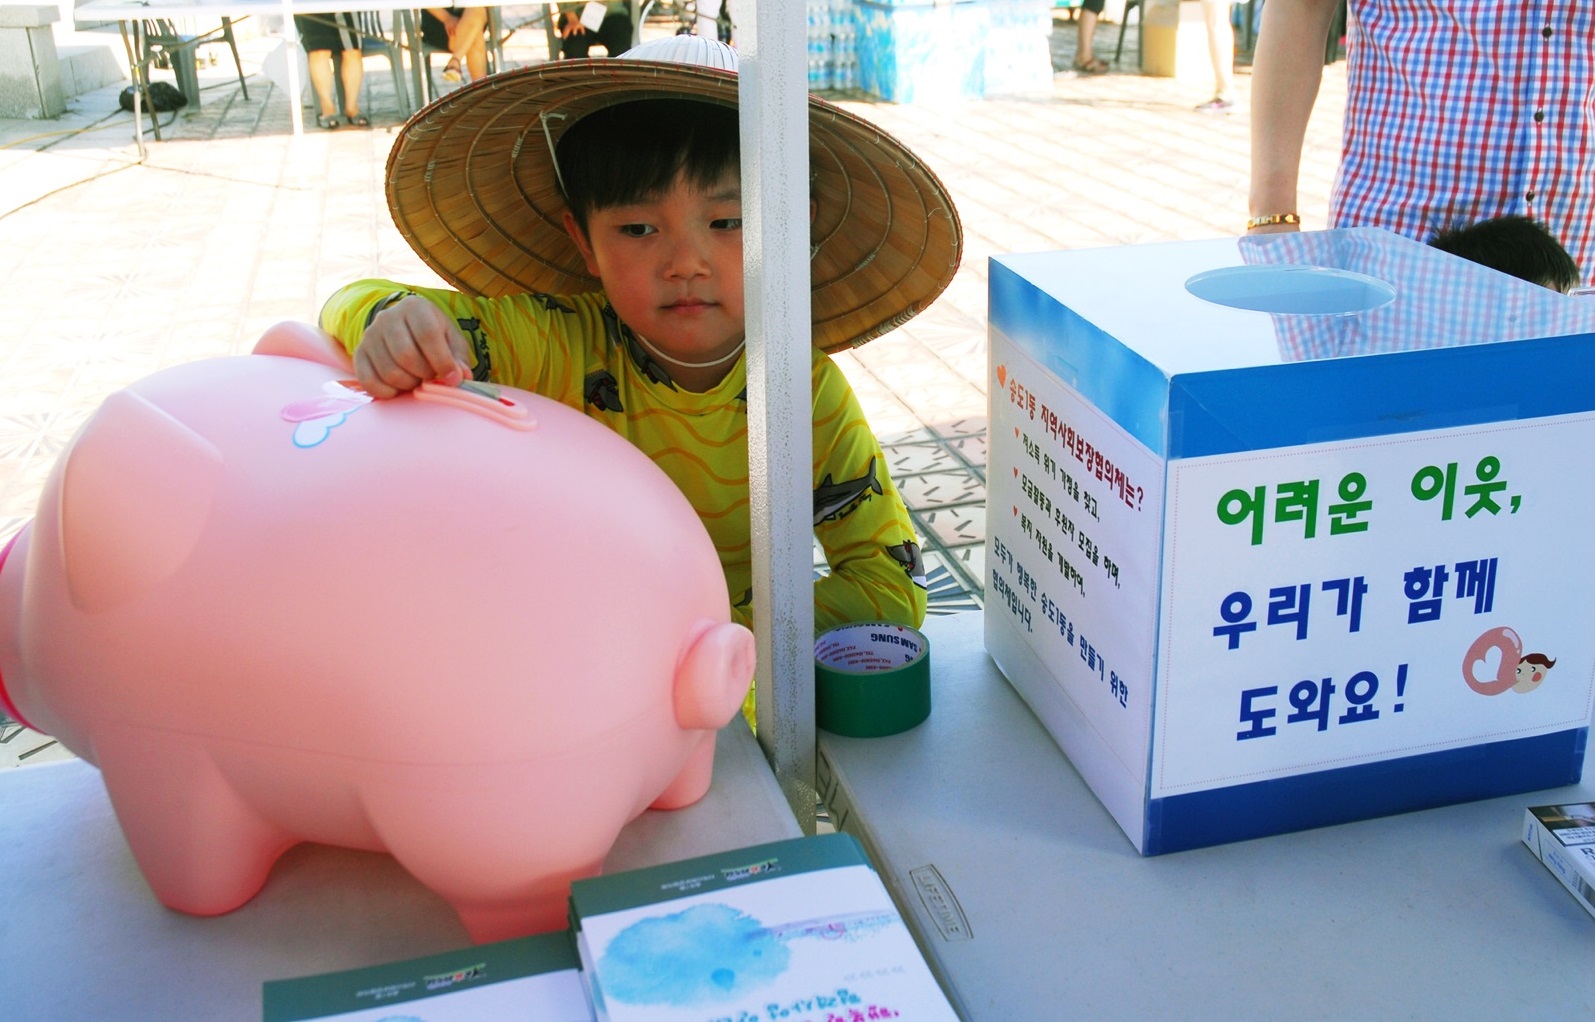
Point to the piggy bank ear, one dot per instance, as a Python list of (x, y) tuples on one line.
[(292, 339), (135, 495), (713, 676)]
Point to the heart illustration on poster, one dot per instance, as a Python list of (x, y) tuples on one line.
[(1490, 666), (1485, 669)]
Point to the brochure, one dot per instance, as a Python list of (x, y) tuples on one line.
[(527, 978), (800, 930)]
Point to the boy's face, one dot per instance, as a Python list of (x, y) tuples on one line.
[(672, 266)]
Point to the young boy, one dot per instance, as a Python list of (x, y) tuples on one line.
[(537, 185), (1516, 245)]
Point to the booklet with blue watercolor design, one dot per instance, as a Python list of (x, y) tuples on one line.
[(800, 930), (527, 978)]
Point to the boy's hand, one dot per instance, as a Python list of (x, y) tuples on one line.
[(408, 343)]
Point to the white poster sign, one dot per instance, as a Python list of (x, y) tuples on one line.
[(1075, 506), (1344, 603)]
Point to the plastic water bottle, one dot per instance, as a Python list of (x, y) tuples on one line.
[(845, 34), (819, 45)]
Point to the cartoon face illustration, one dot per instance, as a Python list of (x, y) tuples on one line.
[(1531, 670)]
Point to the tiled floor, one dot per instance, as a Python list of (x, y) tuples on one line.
[(113, 269)]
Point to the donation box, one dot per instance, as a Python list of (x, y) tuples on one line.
[(1292, 530)]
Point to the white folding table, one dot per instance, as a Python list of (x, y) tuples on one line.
[(1031, 903), (84, 938)]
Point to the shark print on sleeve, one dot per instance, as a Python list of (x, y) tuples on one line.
[(836, 500)]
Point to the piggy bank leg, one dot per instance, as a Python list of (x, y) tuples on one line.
[(502, 852), (692, 783), (539, 909), (202, 849), (472, 879)]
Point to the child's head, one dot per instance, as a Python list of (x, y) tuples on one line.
[(1515, 245), (632, 151), (655, 208), (474, 182)]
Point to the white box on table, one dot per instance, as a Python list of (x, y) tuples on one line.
[(1291, 553), (1563, 837)]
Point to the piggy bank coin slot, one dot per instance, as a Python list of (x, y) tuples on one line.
[(484, 399), (1297, 290)]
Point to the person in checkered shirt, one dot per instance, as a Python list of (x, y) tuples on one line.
[(1455, 112)]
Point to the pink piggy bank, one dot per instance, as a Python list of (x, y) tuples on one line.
[(472, 629)]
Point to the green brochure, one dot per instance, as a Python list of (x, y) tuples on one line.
[(527, 978)]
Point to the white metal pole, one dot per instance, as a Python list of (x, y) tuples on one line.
[(290, 33), (772, 57)]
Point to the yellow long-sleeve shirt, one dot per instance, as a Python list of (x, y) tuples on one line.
[(574, 350)]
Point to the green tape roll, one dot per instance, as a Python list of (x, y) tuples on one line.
[(871, 679)]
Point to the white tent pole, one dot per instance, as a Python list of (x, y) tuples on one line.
[(771, 39), (290, 33)]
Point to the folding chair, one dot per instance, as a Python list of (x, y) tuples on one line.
[(376, 42), (1124, 23), (165, 46)]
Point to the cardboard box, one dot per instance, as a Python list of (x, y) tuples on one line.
[(1563, 837), (922, 52), (1018, 48), (1291, 530)]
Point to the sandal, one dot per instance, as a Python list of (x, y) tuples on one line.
[(451, 70), (327, 121), (1094, 66), (357, 120)]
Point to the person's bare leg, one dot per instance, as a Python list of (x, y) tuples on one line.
[(470, 26), (352, 70), (451, 71), (1220, 47), (1085, 35), (467, 42), (320, 62), (476, 60)]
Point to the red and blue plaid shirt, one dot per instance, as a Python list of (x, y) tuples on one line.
[(1467, 109)]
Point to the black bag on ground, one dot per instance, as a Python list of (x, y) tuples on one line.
[(163, 96)]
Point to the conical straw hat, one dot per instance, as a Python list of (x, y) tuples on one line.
[(472, 186)]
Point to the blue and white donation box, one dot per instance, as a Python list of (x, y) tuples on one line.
[(1292, 530)]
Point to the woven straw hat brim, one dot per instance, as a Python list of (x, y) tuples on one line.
[(471, 186)]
